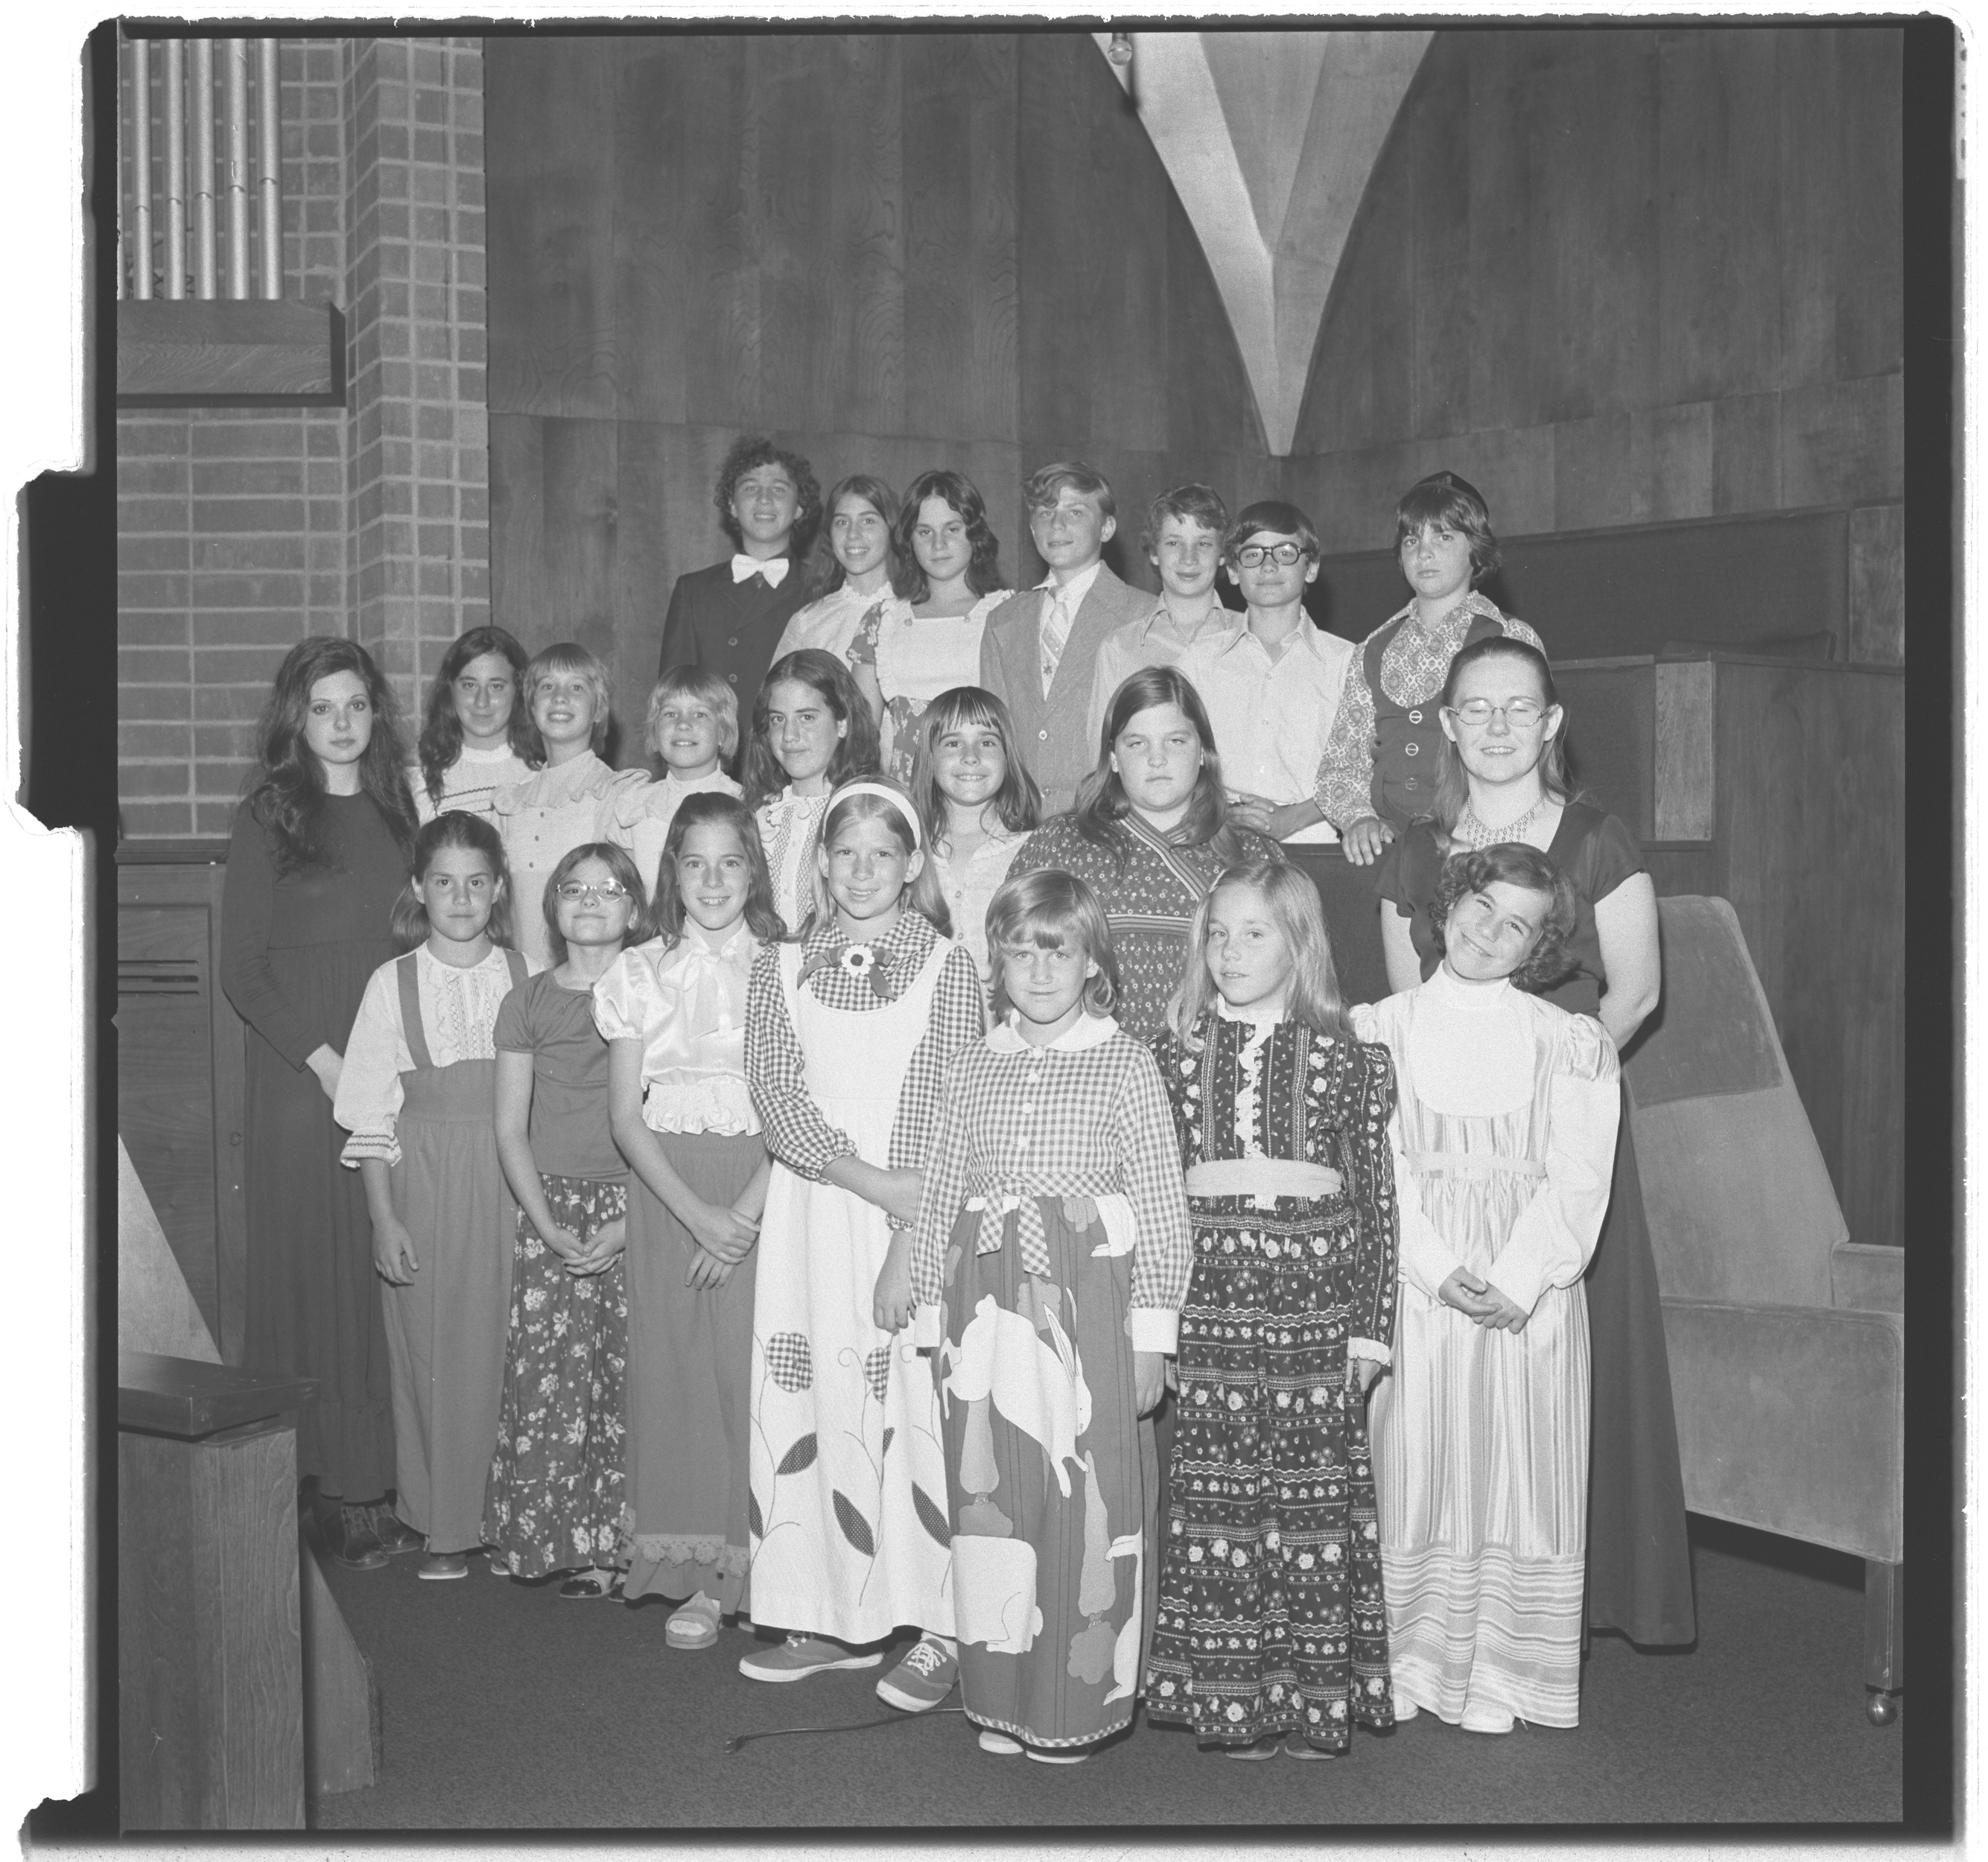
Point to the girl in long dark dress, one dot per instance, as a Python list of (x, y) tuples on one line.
[(319, 853), (1502, 780)]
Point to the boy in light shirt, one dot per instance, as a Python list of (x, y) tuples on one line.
[(1271, 680), (1184, 528)]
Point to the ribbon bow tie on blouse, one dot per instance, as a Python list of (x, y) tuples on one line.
[(744, 568), (702, 979), (860, 960)]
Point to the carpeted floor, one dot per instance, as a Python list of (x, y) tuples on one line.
[(508, 1708)]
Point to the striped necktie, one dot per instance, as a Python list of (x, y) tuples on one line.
[(1056, 632)]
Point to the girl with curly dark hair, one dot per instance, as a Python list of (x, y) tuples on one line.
[(1503, 1133), (319, 855), (729, 617)]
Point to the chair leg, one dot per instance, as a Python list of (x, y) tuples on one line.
[(1884, 1652)]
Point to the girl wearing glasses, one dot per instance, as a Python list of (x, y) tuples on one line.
[(555, 1498), (672, 1011), (1378, 771), (417, 1092), (1502, 780)]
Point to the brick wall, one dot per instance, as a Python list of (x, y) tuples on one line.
[(241, 531)]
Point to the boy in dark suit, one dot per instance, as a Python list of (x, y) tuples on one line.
[(729, 617), (1040, 648)]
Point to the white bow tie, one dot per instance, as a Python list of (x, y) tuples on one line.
[(774, 569)]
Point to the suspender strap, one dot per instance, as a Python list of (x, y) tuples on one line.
[(410, 1011)]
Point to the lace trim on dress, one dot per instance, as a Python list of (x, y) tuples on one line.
[(671, 1549)]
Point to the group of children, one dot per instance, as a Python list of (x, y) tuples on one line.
[(770, 1215)]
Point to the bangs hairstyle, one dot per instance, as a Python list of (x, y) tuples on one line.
[(825, 575), (1101, 801), (1516, 864), (711, 809), (756, 450), (1052, 910), (1274, 514), (1452, 783), (922, 894), (1450, 503), (858, 753), (286, 791), (983, 569), (409, 924), (567, 656), (441, 730), (1041, 489), (1291, 902), (617, 862), (1017, 803), (700, 683), (1191, 504)]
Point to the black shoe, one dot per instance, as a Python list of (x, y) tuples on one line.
[(394, 1534), (350, 1538)]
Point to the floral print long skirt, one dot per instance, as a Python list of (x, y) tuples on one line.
[(1272, 1616), (554, 1496)]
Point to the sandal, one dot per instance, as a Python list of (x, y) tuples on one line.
[(592, 1584), (693, 1625)]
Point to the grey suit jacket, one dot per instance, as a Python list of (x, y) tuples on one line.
[(1053, 733)]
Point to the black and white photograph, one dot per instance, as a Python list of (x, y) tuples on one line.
[(787, 751)]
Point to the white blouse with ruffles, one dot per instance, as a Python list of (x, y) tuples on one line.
[(685, 1003), (458, 1015), (542, 819), (647, 809)]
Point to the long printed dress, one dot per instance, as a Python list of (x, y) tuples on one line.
[(554, 1499), (419, 1090), (846, 1513), (1150, 889), (1271, 1617), (1639, 1555), (1504, 1128), (1052, 1244)]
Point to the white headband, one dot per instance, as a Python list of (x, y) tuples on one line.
[(890, 796)]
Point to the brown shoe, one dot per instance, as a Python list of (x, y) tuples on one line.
[(350, 1538), (394, 1534)]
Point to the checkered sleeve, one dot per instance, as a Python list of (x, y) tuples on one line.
[(957, 1020), (944, 1190), (1149, 1162), (1344, 788), (1365, 1102), (796, 1133)]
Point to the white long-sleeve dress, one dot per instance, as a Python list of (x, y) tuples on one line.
[(1504, 1135)]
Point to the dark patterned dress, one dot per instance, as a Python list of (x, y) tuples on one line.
[(1150, 887), (1271, 1617)]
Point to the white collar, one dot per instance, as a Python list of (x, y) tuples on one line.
[(503, 753), (1075, 589), (1470, 998), (1224, 1012), (1086, 1032), (696, 939)]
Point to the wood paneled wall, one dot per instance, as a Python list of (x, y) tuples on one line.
[(1620, 276), (891, 251)]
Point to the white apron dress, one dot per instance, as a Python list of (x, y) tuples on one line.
[(848, 1512)]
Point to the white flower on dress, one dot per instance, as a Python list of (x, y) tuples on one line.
[(859, 960)]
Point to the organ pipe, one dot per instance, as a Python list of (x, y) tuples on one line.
[(235, 189), (269, 177), (176, 164)]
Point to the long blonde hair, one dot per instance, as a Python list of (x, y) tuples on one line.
[(1293, 902), (922, 894)]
